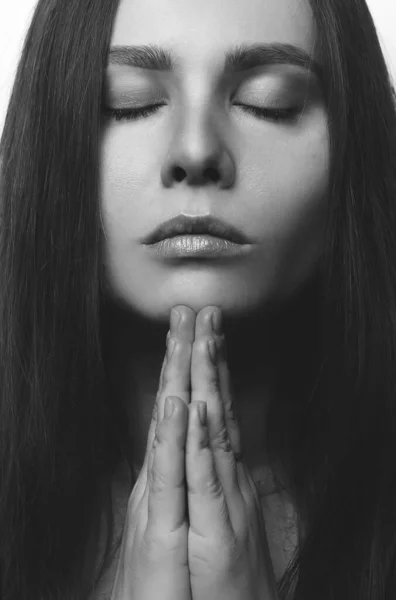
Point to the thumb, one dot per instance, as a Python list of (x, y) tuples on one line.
[(166, 472)]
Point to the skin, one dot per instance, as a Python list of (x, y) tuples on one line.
[(273, 182)]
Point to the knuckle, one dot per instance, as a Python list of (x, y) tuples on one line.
[(213, 487), (154, 416), (157, 480), (222, 441), (231, 410), (213, 384), (159, 437), (206, 487)]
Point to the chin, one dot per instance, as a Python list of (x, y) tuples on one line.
[(231, 306)]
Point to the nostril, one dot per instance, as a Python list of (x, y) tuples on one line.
[(212, 174), (178, 173)]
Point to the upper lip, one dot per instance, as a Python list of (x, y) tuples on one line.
[(206, 225)]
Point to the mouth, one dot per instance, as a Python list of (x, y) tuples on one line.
[(206, 225)]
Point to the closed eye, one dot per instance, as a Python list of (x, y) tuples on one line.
[(131, 114), (277, 114)]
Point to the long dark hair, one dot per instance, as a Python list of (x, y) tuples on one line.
[(333, 430)]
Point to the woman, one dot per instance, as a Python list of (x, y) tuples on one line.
[(293, 145)]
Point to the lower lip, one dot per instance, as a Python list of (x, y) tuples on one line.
[(204, 246)]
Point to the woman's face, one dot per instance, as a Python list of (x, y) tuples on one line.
[(268, 178)]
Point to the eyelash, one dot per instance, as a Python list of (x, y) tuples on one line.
[(132, 114)]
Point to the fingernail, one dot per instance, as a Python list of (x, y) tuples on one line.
[(175, 319), (202, 406), (217, 321), (169, 408), (212, 351)]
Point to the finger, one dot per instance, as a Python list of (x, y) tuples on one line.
[(166, 501), (205, 386), (209, 322), (226, 390), (164, 363), (231, 414), (182, 326), (207, 505), (176, 382), (175, 373)]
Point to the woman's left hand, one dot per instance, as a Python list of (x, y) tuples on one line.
[(228, 552)]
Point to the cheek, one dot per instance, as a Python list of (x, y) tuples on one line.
[(127, 157), (125, 178), (306, 167), (289, 187), (305, 187), (290, 182)]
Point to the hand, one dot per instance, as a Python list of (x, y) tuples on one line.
[(153, 558), (228, 553)]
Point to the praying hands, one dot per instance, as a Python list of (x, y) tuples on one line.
[(194, 526)]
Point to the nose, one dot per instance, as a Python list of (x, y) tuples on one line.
[(199, 155)]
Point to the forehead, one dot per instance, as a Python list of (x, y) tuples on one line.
[(200, 31)]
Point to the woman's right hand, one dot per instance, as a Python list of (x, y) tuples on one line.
[(153, 560)]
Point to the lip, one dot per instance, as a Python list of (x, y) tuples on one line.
[(198, 246), (207, 225)]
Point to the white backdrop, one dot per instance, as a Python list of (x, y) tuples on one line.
[(16, 16)]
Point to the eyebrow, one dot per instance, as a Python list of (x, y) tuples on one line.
[(239, 58)]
